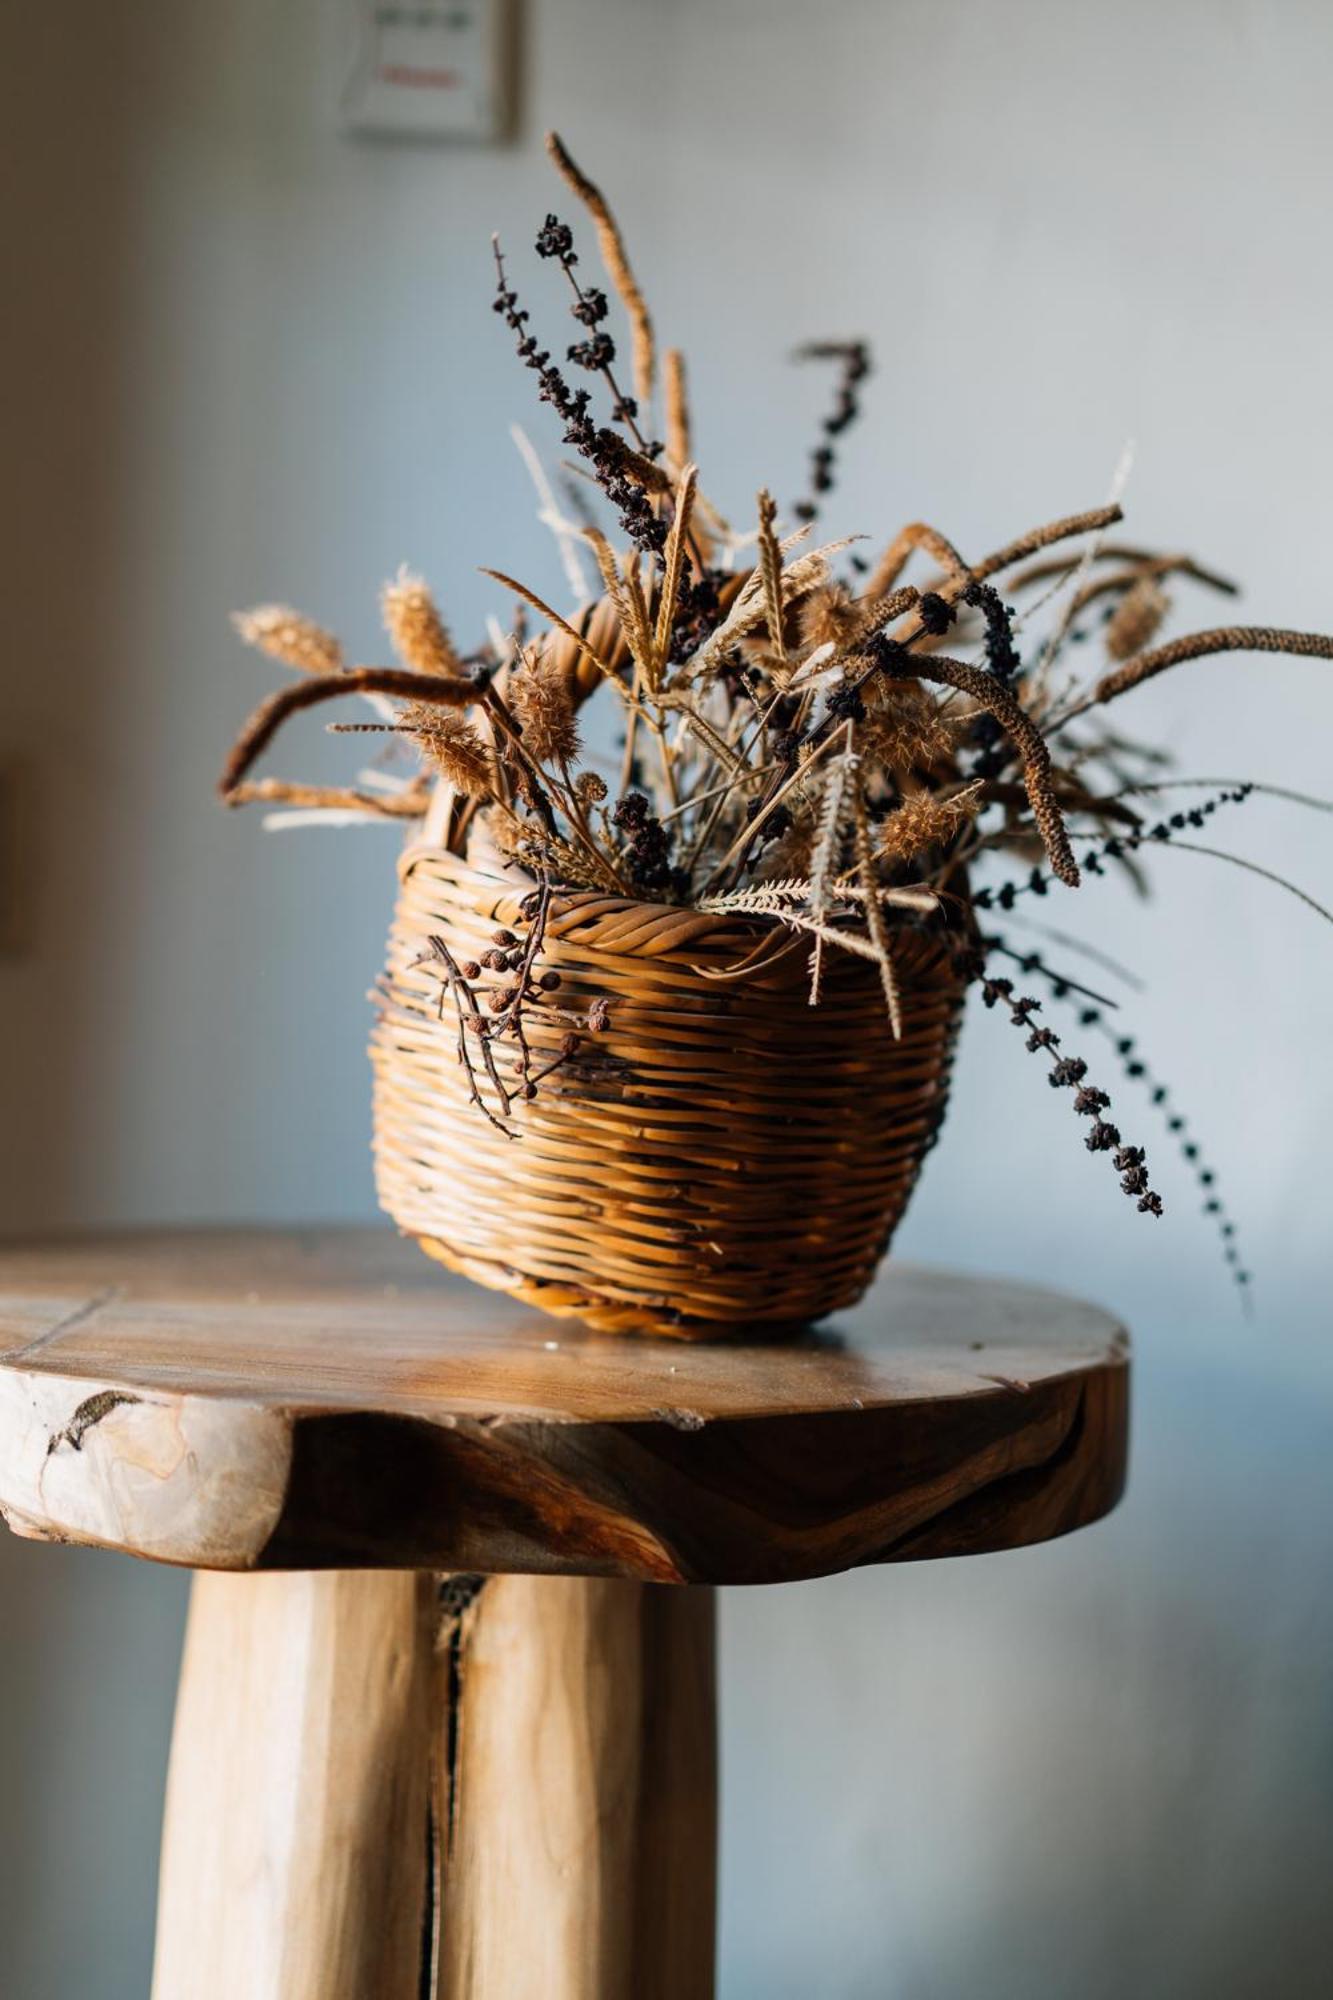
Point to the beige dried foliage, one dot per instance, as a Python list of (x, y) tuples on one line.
[(571, 864), (677, 407), (925, 821), (829, 615), (541, 699), (415, 627), (905, 728), (454, 746), (1138, 618), (289, 636), (770, 571)]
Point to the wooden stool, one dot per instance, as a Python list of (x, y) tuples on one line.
[(458, 1739)]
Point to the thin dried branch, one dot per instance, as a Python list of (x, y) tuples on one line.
[(770, 572), (676, 413), (1252, 868), (616, 259), (1088, 523), (567, 532), (291, 637), (1026, 738), (875, 925), (521, 590), (1136, 559), (1223, 639), (673, 565), (269, 717), (917, 535), (339, 798)]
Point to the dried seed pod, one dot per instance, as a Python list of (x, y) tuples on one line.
[(453, 745), (904, 728), (291, 637), (544, 705), (925, 821), (830, 615), (1137, 618), (415, 626)]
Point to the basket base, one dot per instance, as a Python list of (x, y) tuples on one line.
[(610, 1315)]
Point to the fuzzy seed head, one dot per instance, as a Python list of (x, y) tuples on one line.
[(291, 637), (926, 821), (541, 699), (1137, 618), (904, 727), (453, 746), (415, 627), (830, 615)]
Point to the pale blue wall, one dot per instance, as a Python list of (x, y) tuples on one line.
[(256, 360)]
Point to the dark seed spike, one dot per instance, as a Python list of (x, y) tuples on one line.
[(1069, 1072), (1092, 1102)]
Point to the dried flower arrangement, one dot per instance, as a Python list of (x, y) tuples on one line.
[(814, 760)]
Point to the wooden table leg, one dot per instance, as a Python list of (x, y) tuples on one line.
[(509, 1782), (579, 1822)]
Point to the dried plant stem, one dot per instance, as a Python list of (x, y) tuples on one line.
[(1251, 868), (1224, 784), (381, 805), (676, 415), (875, 924), (1030, 961), (629, 609), (1072, 797), (562, 624), (748, 833), (586, 838), (631, 741), (1088, 523), (952, 585), (1138, 559), (1027, 739), (1222, 639), (917, 535), (465, 1002), (269, 717), (673, 565), (721, 791), (551, 516), (770, 572), (616, 259)]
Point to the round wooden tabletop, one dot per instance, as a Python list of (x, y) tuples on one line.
[(247, 1399)]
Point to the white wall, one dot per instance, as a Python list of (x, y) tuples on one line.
[(250, 358)]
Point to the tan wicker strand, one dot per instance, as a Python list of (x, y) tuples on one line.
[(722, 1157)]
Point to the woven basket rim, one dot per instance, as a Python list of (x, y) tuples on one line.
[(629, 926)]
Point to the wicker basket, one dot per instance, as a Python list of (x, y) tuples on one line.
[(722, 1156)]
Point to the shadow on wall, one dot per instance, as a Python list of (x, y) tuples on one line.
[(1092, 1770), (68, 214), (91, 1642), (87, 1682)]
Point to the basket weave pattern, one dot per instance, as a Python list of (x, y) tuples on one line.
[(722, 1155)]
